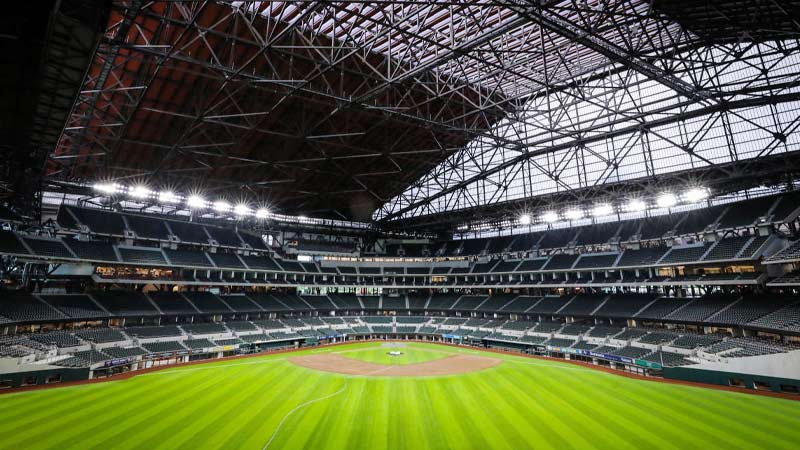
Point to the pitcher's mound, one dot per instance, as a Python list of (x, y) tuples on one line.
[(451, 365)]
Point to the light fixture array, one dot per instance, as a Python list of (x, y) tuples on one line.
[(194, 202), (632, 205)]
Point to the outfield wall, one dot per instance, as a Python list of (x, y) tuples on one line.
[(50, 376), (718, 377)]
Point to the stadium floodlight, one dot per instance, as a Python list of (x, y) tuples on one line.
[(696, 194), (196, 202), (666, 200), (222, 206), (242, 210), (140, 191), (602, 209), (262, 213), (525, 219), (636, 205), (107, 188), (168, 197), (573, 214), (550, 217)]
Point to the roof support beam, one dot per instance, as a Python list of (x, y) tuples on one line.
[(576, 33), (769, 100)]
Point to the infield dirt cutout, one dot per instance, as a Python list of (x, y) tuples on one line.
[(451, 365)]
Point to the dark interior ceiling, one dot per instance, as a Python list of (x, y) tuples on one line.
[(261, 103), (47, 46), (200, 96)]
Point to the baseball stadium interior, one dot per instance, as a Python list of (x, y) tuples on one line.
[(603, 185)]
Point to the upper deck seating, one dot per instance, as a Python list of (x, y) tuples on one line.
[(147, 227)]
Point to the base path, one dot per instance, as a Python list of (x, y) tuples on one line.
[(450, 365)]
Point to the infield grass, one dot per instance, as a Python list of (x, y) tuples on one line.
[(410, 354), (268, 402)]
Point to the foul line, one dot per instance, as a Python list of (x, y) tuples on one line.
[(298, 407)]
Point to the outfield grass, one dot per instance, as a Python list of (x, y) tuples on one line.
[(520, 404)]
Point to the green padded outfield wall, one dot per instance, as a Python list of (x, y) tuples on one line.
[(723, 378), (67, 374)]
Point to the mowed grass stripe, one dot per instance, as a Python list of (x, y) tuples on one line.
[(693, 413), (482, 400), (557, 416), (303, 386), (56, 407), (306, 386), (630, 421), (249, 413), (523, 428), (676, 408), (266, 410), (146, 414), (526, 401), (467, 400), (295, 430), (63, 419), (604, 435), (204, 417), (456, 434), (609, 417), (350, 420), (328, 411)]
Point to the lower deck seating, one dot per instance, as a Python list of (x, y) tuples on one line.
[(548, 327), (125, 303), (658, 337), (124, 352), (75, 306), (631, 333), (208, 303), (241, 325), (57, 338), (750, 308), (196, 344), (521, 325), (520, 304), (532, 339), (667, 359), (153, 331), (692, 341), (19, 306), (631, 352), (558, 342), (604, 331), (583, 345), (204, 328), (701, 308), (101, 335), (164, 347)]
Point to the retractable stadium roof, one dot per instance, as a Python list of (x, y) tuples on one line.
[(400, 110)]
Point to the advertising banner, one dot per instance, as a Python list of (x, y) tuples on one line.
[(648, 364), (117, 362)]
